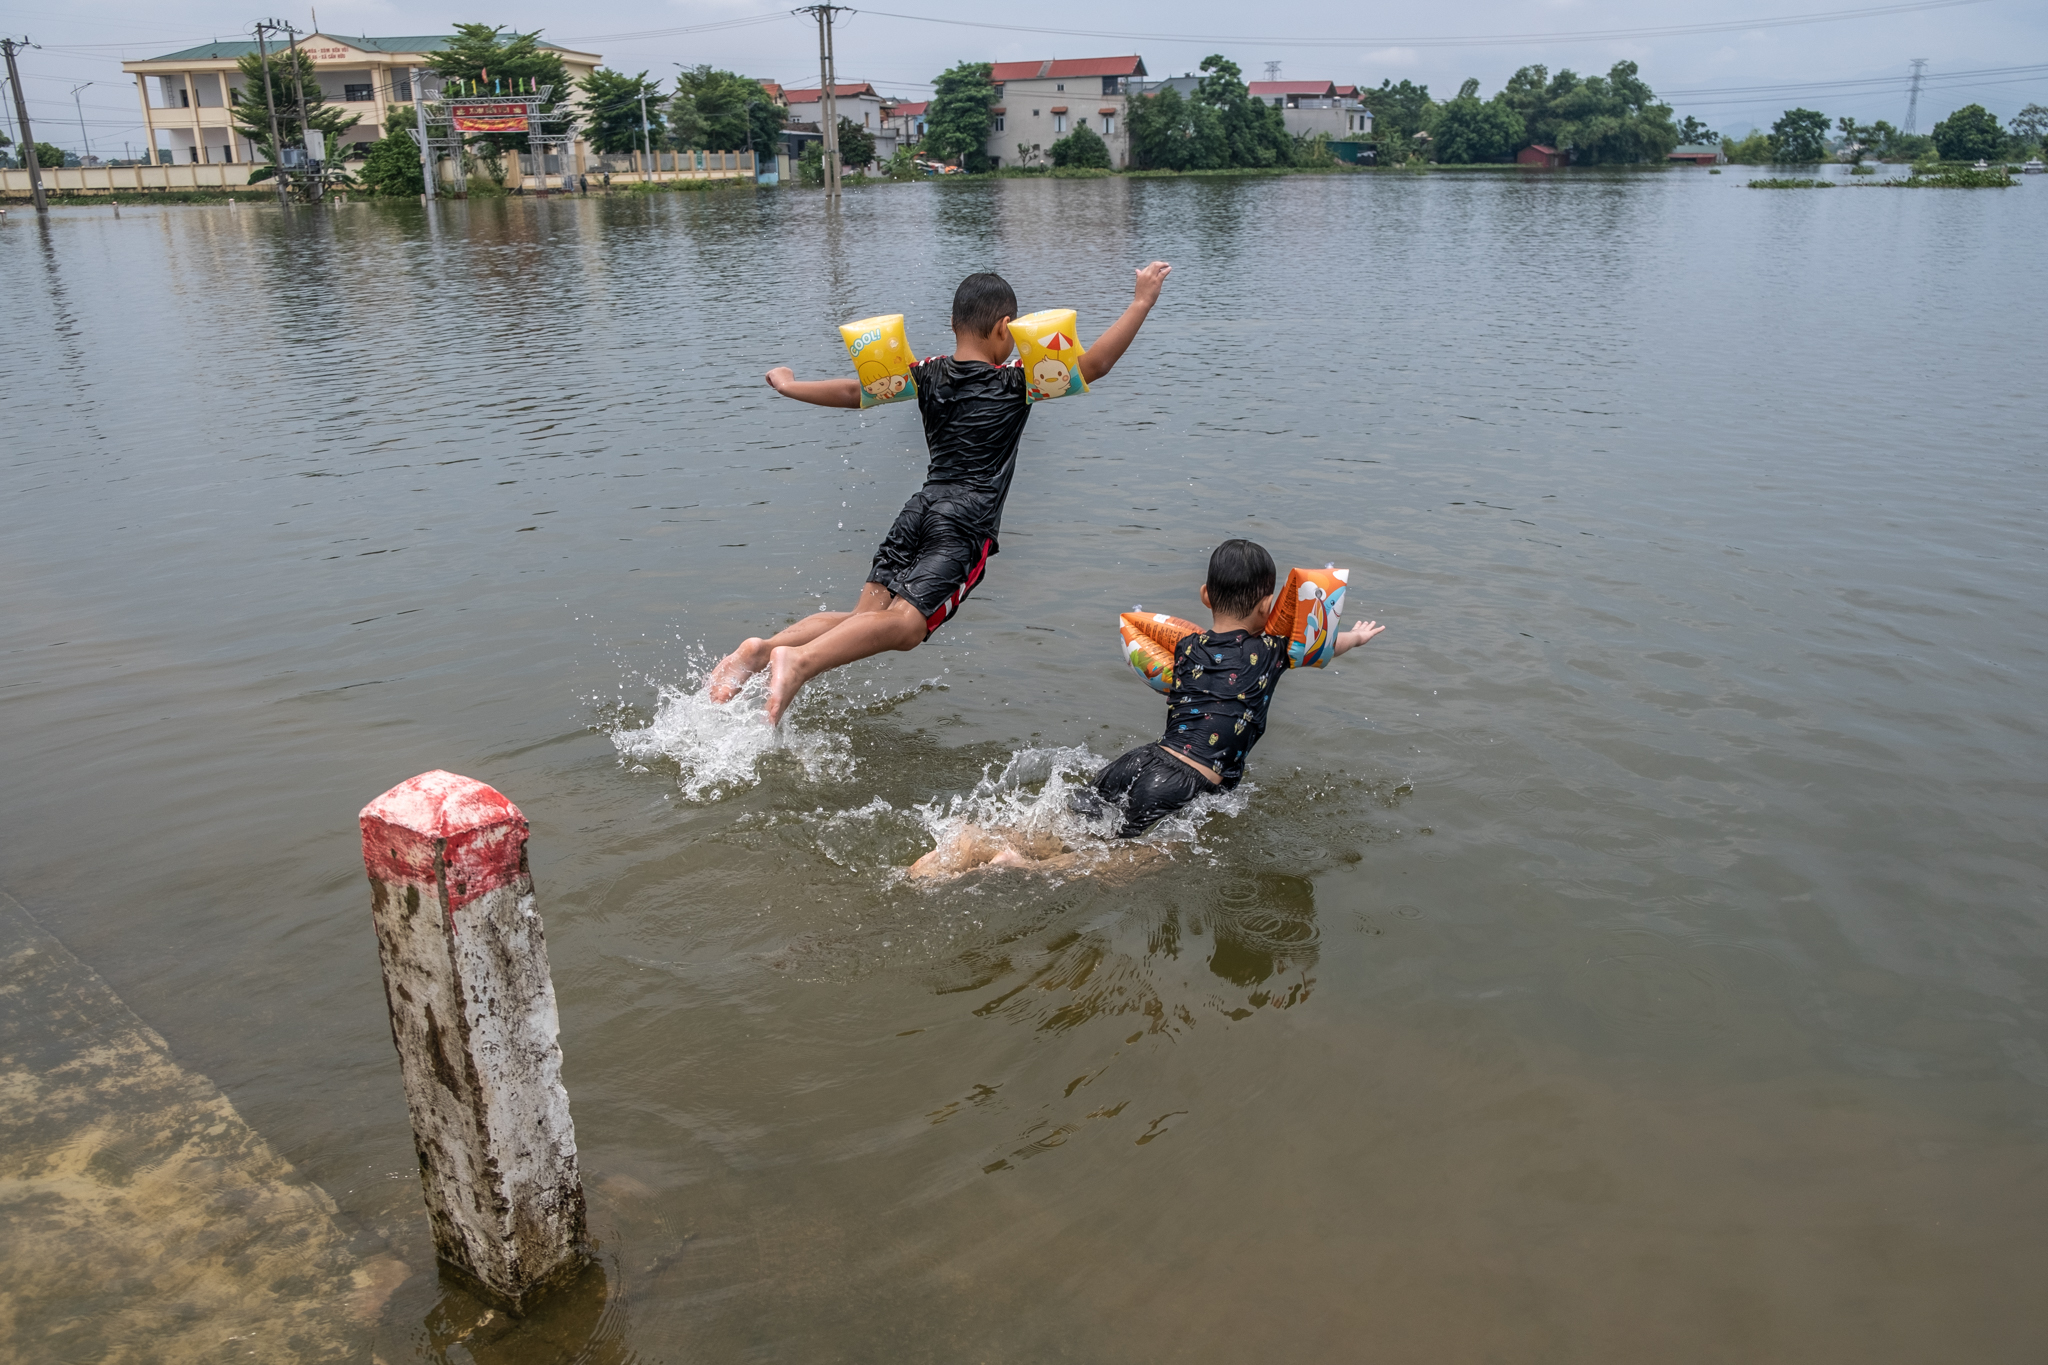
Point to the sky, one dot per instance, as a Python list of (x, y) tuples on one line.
[(1734, 64)]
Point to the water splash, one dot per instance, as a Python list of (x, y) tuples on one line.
[(719, 749)]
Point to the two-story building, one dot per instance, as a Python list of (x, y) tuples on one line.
[(857, 101), (1038, 103), (1311, 107), (187, 96)]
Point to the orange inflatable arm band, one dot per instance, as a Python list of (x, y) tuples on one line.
[(1305, 614)]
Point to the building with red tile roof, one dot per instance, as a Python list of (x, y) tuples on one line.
[(1038, 103)]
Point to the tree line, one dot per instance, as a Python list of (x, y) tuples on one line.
[(1971, 133)]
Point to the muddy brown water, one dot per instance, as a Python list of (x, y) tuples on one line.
[(1637, 953)]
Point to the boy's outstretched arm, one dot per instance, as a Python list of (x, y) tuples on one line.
[(1357, 635), (1109, 348), (826, 393)]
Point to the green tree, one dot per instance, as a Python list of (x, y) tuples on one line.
[(1170, 133), (1399, 113), (251, 112), (1754, 150), (392, 169), (1610, 120), (1971, 133), (1857, 138), (856, 144), (810, 163), (612, 111), (1693, 133), (490, 57), (1468, 130), (962, 115), (1799, 135), (723, 111), (1254, 132), (1083, 147), (49, 156), (2031, 124)]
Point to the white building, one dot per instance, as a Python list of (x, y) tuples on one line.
[(1311, 107), (857, 101), (1038, 103), (187, 96)]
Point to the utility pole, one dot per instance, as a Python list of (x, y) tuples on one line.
[(419, 109), (82, 137), (28, 137), (263, 31), (646, 143), (1913, 100), (315, 169), (828, 99)]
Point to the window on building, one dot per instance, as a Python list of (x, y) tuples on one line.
[(864, 116), (1110, 85), (1034, 113), (1062, 86), (1109, 125), (401, 89), (356, 94), (184, 97), (999, 123), (1059, 123)]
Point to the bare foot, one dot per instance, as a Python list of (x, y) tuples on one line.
[(735, 668), (785, 680)]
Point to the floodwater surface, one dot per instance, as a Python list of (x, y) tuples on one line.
[(1637, 953)]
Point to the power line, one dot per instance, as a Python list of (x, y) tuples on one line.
[(1456, 40), (1889, 82)]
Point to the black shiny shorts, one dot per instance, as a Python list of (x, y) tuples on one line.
[(1148, 783), (931, 559)]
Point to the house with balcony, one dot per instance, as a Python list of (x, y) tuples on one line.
[(1311, 107), (1038, 103), (187, 96)]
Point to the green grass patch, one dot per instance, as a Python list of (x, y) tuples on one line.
[(1791, 183), (1953, 178)]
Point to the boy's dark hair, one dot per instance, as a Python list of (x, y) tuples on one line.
[(981, 302), (1240, 573)]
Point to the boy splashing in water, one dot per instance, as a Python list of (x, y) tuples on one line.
[(1223, 684), (974, 405)]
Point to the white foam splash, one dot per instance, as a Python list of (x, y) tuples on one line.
[(719, 749), (1029, 796)]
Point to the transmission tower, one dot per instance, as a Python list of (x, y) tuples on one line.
[(1272, 71), (1913, 99)]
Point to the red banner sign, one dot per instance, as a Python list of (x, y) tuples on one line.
[(489, 118)]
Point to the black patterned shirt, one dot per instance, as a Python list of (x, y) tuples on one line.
[(1223, 683)]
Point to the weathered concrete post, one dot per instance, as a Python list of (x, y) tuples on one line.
[(473, 1018)]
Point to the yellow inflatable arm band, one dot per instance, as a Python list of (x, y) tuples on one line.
[(1305, 614), (881, 359), (1049, 348)]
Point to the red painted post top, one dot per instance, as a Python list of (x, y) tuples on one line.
[(441, 822)]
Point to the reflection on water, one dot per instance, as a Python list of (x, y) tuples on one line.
[(1635, 954)]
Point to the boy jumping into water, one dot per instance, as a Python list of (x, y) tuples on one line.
[(974, 405), (1223, 682)]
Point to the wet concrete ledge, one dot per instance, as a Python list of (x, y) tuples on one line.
[(141, 1219)]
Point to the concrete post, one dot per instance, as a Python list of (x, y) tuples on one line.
[(473, 1018)]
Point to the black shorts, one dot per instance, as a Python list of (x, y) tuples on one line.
[(933, 558), (1148, 783)]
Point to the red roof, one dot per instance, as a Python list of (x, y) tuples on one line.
[(1268, 89), (1349, 92), (1072, 66), (774, 90), (909, 110), (1539, 147), (843, 92)]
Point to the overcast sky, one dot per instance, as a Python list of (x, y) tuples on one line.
[(1991, 52)]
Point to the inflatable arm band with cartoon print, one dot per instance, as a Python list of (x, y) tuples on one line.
[(1305, 614), (1049, 350), (881, 359)]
